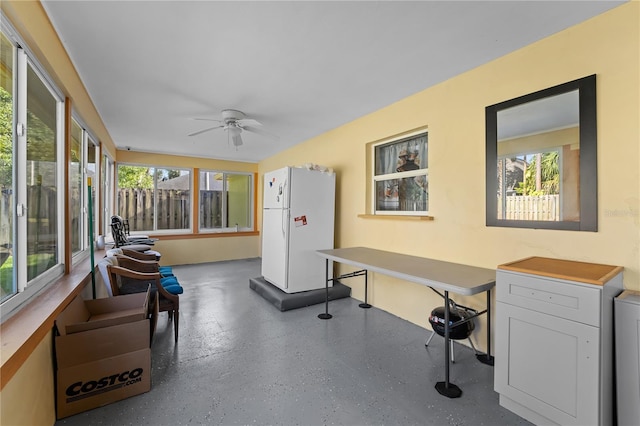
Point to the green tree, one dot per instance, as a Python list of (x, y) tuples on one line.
[(133, 177), (6, 136), (543, 180)]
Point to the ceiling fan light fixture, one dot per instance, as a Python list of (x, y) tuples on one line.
[(237, 140), (233, 132)]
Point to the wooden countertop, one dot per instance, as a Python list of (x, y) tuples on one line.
[(585, 272)]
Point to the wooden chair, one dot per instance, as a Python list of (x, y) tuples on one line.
[(126, 281), (144, 262), (139, 255)]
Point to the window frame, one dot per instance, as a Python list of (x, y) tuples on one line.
[(375, 178), (86, 139), (250, 207), (82, 196), (107, 185)]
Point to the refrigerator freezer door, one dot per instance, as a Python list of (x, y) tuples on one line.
[(275, 234), (276, 189)]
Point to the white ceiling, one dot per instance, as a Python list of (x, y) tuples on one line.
[(300, 68)]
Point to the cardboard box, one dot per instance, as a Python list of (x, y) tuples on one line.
[(102, 352)]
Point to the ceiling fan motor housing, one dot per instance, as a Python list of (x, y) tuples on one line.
[(231, 115)]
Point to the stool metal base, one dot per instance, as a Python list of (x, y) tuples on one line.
[(451, 391), (486, 359)]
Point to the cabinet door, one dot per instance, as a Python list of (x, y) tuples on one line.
[(548, 364)]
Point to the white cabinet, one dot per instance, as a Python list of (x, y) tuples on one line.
[(627, 324), (554, 340)]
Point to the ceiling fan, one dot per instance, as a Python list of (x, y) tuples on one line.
[(233, 122)]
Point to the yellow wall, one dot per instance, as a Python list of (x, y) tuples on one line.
[(454, 111), (540, 141), (28, 399), (162, 160)]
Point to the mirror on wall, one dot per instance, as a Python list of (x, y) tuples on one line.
[(541, 159)]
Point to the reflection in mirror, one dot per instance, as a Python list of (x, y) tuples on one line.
[(541, 168)]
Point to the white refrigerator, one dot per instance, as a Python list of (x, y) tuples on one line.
[(297, 219)]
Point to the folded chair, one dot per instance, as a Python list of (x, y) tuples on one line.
[(127, 281), (121, 237)]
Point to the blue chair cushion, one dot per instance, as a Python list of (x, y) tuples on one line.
[(169, 281), (173, 288), (172, 285)]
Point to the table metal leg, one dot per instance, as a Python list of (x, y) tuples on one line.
[(447, 388), (487, 358), (326, 315), (365, 305)]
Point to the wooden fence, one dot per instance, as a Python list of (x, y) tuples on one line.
[(133, 204), (42, 234), (210, 209), (542, 207), (42, 215), (173, 208)]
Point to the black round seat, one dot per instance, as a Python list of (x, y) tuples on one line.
[(460, 332)]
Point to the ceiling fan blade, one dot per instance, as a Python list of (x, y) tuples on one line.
[(259, 131), (206, 130), (248, 122), (207, 119)]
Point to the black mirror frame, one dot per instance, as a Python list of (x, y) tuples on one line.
[(588, 158)]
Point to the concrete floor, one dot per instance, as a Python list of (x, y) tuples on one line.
[(240, 361)]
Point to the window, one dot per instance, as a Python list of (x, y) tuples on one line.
[(401, 178), (92, 161), (7, 205), (31, 203), (82, 165), (76, 189), (226, 201), (153, 198), (529, 186), (42, 176), (107, 193)]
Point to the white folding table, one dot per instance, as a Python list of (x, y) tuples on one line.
[(446, 276)]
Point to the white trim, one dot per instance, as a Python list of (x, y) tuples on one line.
[(20, 172), (13, 304), (226, 228)]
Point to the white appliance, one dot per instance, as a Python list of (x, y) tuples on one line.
[(627, 331), (297, 219)]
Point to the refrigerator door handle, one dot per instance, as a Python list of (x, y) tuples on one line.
[(285, 208), (284, 214), (285, 203)]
